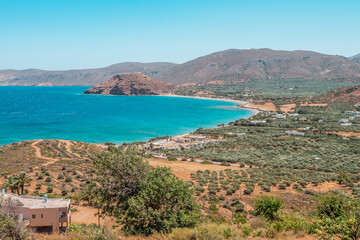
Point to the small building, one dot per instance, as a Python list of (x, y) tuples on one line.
[(305, 128), (280, 116), (257, 122), (182, 140), (343, 120), (294, 133), (351, 112), (293, 114), (241, 134), (197, 137), (40, 213), (346, 124)]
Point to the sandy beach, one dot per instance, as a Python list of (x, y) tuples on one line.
[(242, 104)]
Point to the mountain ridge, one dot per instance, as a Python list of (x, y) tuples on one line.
[(235, 65), (229, 66), (355, 58), (84, 77)]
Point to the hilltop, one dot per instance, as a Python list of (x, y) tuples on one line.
[(224, 67), (233, 65), (131, 84)]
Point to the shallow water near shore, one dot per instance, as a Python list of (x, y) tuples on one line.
[(28, 113)]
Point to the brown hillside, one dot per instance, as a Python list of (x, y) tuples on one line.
[(350, 95), (243, 65), (131, 84), (43, 159), (231, 65)]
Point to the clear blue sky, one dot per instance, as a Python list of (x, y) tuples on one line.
[(66, 34)]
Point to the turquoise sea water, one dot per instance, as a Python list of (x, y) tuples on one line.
[(28, 113)]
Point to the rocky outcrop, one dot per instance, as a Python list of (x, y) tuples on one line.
[(131, 84)]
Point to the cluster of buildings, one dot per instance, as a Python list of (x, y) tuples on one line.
[(346, 122), (177, 143), (38, 213)]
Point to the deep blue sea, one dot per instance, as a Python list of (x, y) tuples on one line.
[(28, 113)]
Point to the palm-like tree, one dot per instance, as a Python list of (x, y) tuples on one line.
[(13, 184), (23, 178)]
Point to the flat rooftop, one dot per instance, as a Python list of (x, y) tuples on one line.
[(39, 202)]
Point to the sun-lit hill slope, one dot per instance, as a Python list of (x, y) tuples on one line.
[(234, 65), (347, 95), (62, 165)]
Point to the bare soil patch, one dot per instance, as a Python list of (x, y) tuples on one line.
[(288, 107), (347, 134), (314, 104), (269, 106)]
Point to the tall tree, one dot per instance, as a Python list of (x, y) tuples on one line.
[(164, 202), (13, 184), (146, 200), (120, 171), (23, 178)]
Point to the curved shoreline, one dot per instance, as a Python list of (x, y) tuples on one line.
[(242, 104)]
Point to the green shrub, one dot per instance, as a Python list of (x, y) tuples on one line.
[(213, 208), (172, 158), (168, 197), (268, 206), (247, 191), (239, 218), (49, 189), (246, 230)]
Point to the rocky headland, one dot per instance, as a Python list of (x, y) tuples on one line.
[(131, 84)]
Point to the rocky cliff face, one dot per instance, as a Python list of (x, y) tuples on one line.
[(131, 84)]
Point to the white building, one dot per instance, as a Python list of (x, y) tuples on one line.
[(294, 133)]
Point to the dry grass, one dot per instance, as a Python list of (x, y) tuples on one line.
[(288, 107), (269, 106)]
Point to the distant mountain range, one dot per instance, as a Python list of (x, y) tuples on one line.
[(243, 65), (84, 77), (229, 66)]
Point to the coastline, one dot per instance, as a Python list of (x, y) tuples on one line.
[(242, 104)]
